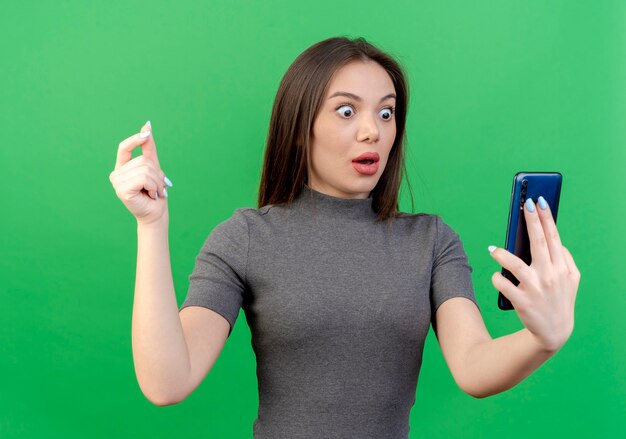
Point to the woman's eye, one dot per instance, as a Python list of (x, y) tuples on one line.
[(386, 113), (345, 111)]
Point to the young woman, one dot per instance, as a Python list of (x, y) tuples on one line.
[(337, 286)]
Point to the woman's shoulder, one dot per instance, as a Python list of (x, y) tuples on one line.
[(252, 213), (422, 218), (265, 213), (244, 217), (419, 216), (430, 223)]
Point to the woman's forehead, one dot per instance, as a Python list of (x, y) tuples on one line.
[(363, 79)]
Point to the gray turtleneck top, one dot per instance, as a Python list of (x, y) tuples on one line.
[(338, 307)]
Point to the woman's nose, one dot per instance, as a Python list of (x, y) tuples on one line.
[(368, 129)]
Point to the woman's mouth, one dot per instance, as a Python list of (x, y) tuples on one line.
[(366, 164)]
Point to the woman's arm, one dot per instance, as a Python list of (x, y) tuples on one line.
[(480, 365), (544, 301), (173, 351)]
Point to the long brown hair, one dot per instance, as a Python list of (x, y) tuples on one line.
[(298, 101)]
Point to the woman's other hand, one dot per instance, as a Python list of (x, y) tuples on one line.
[(140, 182), (546, 294)]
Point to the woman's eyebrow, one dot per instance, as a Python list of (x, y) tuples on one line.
[(357, 98)]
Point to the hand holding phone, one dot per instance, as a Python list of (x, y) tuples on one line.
[(539, 275), (527, 185)]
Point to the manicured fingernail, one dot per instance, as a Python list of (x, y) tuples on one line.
[(491, 248), (149, 124), (542, 203), (530, 205), (165, 192), (156, 195), (167, 181), (144, 135)]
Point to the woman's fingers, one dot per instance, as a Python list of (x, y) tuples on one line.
[(134, 183), (137, 166), (143, 139), (149, 147), (553, 240), (515, 265), (571, 265), (507, 288), (148, 162), (141, 179), (139, 182), (140, 162), (538, 246)]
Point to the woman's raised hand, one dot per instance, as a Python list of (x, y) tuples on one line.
[(140, 182), (545, 297)]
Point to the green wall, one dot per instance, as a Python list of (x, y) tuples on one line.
[(497, 87)]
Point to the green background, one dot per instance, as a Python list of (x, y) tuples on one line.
[(496, 87)]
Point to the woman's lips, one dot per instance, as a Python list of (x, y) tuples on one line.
[(365, 169), (366, 164)]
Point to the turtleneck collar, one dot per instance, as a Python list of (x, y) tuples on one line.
[(327, 205)]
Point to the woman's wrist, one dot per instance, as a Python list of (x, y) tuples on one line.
[(547, 347), (158, 224)]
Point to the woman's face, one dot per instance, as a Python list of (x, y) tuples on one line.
[(353, 132)]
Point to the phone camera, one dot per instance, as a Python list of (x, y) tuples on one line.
[(524, 183)]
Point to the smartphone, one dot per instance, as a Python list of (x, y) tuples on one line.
[(527, 185)]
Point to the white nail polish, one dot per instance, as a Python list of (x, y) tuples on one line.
[(149, 124), (144, 135), (491, 248), (165, 192)]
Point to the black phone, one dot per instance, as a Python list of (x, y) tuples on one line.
[(527, 185)]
